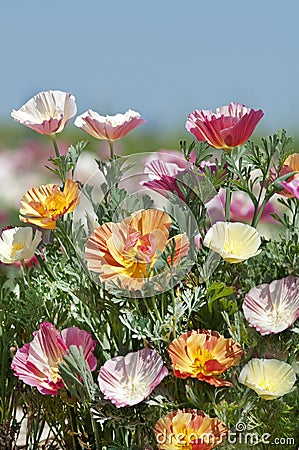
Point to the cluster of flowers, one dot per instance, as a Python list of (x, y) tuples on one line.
[(128, 251)]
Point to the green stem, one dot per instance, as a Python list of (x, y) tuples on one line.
[(65, 235), (53, 137), (259, 211), (295, 212), (96, 432), (227, 203), (111, 149), (73, 426), (257, 207), (25, 273)]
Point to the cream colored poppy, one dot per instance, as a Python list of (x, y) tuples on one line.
[(269, 378), (235, 242)]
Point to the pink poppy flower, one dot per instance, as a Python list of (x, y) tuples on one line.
[(37, 363), (166, 172), (274, 307), (241, 208), (291, 184), (128, 380), (229, 127), (291, 188), (164, 176), (47, 112), (110, 128)]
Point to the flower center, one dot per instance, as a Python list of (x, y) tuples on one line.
[(203, 355), (55, 377), (181, 441), (17, 246), (135, 389), (234, 248), (56, 204), (279, 316), (266, 385)]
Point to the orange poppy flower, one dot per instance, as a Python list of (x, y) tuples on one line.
[(128, 250), (189, 429), (44, 205), (204, 354)]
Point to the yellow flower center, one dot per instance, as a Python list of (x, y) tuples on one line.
[(181, 440), (134, 256), (17, 246), (203, 355), (279, 316), (55, 377), (266, 385), (56, 204), (234, 248), (54, 374)]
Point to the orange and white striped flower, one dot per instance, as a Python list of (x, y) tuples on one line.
[(47, 112), (235, 242), (205, 355), (269, 378), (129, 250), (189, 429), (44, 205), (18, 244)]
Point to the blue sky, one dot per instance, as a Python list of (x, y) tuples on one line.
[(162, 58)]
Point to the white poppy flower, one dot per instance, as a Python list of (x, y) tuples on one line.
[(17, 244), (47, 112), (235, 242)]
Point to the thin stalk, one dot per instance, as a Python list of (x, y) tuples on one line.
[(111, 149), (25, 273), (227, 203), (73, 426), (65, 235), (53, 137), (258, 213), (96, 432), (295, 213), (257, 207)]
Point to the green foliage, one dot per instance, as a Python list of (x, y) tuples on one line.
[(63, 164), (61, 290)]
